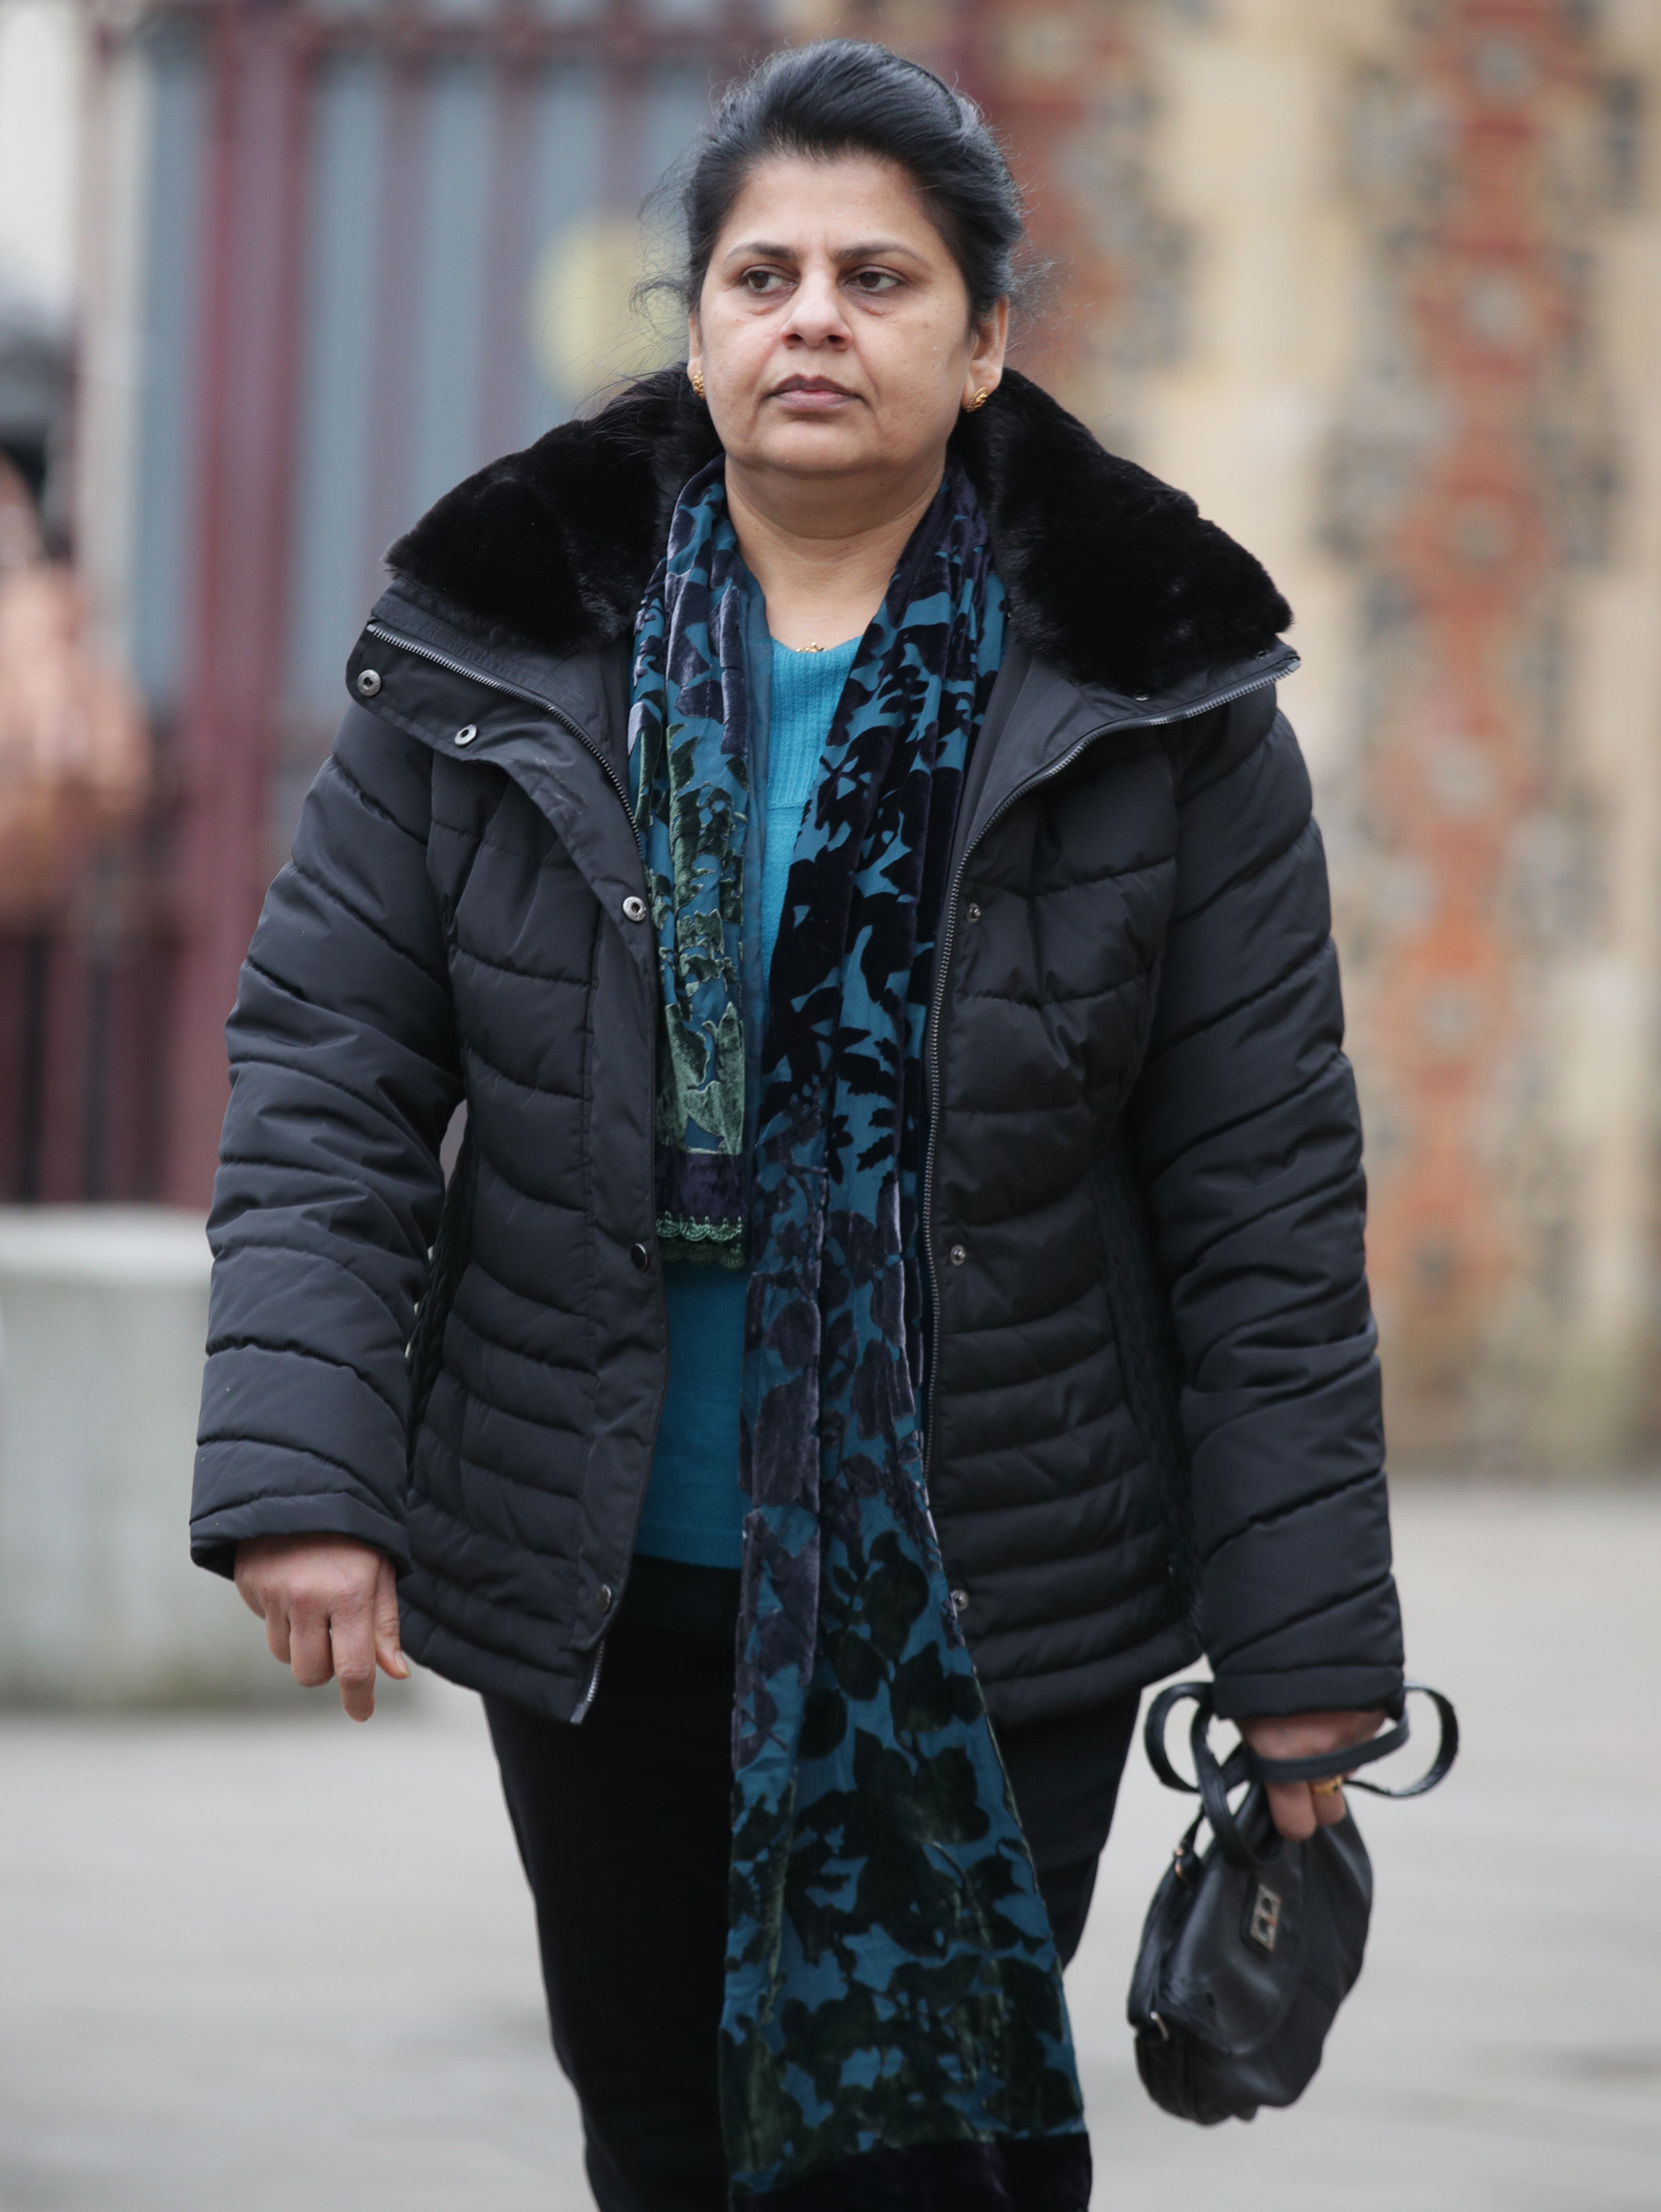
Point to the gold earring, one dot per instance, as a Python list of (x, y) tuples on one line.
[(696, 375), (970, 406)]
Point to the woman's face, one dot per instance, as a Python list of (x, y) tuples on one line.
[(833, 330)]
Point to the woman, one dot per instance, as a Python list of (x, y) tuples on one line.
[(829, 821)]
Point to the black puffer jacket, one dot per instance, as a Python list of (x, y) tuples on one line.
[(1155, 1411)]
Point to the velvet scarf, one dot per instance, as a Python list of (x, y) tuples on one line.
[(894, 2028)]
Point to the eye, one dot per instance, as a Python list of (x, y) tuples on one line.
[(760, 283), (873, 283)]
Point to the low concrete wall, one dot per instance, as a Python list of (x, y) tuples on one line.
[(104, 1311)]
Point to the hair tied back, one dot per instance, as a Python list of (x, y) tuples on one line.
[(843, 96)]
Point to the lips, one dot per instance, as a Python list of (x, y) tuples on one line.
[(810, 388)]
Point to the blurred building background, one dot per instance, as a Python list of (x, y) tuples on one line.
[(1380, 282)]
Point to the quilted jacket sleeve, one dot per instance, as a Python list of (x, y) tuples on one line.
[(1248, 1142), (344, 1076)]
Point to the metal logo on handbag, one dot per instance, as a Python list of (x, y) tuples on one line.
[(1248, 1950)]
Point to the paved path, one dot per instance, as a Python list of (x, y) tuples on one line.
[(256, 1964)]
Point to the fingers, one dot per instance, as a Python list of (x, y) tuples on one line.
[(1329, 1807), (388, 1644), (353, 1641), (277, 1633), (257, 1592), (331, 1612), (1292, 1810), (1301, 1808), (1297, 1808), (321, 1643), (364, 1634), (308, 1635)]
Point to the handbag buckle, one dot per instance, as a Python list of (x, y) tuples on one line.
[(1263, 1922)]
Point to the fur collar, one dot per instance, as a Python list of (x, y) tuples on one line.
[(1111, 574)]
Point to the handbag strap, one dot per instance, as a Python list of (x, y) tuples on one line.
[(1327, 1765), (1323, 1766), (1153, 1729), (1213, 1782)]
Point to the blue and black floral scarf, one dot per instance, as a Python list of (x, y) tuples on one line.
[(894, 2027)]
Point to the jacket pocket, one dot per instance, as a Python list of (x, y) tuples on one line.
[(451, 1249), (1150, 1362)]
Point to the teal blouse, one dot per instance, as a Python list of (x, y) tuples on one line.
[(694, 1508)]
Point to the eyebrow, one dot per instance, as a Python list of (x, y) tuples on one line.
[(770, 250)]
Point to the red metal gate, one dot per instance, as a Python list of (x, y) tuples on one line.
[(344, 215)]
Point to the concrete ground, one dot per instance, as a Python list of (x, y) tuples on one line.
[(256, 1964)]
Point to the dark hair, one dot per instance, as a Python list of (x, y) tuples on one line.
[(842, 96)]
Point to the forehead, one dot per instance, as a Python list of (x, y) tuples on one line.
[(804, 202)]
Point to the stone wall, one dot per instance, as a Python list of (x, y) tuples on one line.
[(1381, 284), (103, 1315)]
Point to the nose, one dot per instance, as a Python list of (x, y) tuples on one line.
[(816, 316)]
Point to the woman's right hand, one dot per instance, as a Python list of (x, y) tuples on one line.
[(330, 1606)]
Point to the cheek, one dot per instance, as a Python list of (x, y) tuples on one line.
[(922, 376), (924, 360), (736, 348)]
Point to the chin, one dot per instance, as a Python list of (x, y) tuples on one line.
[(809, 449)]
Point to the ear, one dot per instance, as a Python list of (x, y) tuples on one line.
[(991, 339)]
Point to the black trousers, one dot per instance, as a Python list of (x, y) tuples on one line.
[(623, 1826)]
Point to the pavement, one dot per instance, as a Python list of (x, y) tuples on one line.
[(277, 1961)]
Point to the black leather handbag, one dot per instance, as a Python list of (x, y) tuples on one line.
[(1249, 1949)]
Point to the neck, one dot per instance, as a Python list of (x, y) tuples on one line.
[(825, 563)]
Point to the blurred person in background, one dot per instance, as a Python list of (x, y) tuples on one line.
[(75, 757), (901, 1290)]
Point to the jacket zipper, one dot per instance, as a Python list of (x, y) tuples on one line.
[(931, 1038), (514, 690)]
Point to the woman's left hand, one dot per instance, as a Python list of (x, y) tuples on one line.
[(1299, 1807)]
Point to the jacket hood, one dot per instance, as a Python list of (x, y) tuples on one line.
[(1111, 575)]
